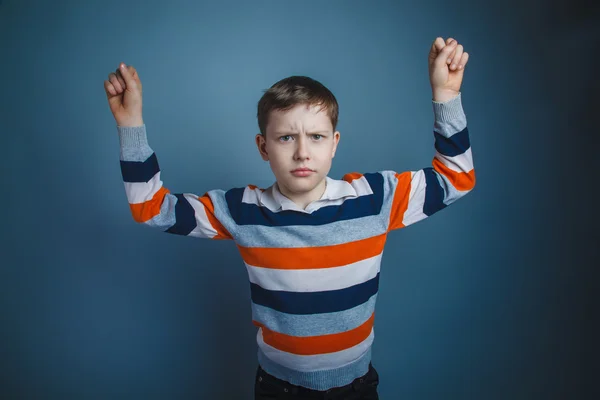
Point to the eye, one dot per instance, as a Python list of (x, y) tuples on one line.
[(317, 136), (282, 138)]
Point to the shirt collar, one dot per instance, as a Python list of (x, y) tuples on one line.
[(274, 200)]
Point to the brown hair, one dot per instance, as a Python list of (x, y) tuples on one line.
[(294, 90)]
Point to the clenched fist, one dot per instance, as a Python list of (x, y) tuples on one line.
[(124, 92), (447, 62)]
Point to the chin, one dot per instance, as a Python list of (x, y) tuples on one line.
[(302, 184)]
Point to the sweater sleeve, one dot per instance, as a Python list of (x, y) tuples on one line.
[(420, 194), (154, 205)]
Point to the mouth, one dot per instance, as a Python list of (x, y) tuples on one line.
[(302, 172)]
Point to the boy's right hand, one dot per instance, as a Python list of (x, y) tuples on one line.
[(124, 91)]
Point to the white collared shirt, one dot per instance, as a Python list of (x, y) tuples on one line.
[(335, 193)]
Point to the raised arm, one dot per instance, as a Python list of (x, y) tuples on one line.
[(150, 202), (420, 194)]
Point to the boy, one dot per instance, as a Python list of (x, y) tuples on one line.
[(312, 245)]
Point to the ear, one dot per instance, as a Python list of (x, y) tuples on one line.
[(336, 140), (262, 146)]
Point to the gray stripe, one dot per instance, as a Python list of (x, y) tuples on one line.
[(311, 235), (451, 194), (314, 324), (222, 211), (389, 189), (166, 218)]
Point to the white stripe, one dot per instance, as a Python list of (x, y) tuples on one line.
[(315, 280), (204, 228), (251, 196), (139, 192), (416, 199), (315, 362), (460, 163), (362, 187)]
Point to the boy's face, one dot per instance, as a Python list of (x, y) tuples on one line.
[(301, 137)]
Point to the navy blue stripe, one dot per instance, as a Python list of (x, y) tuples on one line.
[(315, 302), (135, 171), (454, 145), (185, 217), (434, 193), (362, 206)]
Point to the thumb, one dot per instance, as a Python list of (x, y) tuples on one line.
[(437, 45)]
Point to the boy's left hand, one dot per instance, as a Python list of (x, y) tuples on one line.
[(447, 62)]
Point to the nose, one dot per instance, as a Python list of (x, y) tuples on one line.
[(301, 149)]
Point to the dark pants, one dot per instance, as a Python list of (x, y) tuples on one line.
[(268, 387)]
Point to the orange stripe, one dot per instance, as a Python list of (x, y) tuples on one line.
[(209, 207), (313, 345), (460, 180), (352, 176), (313, 257), (147, 210), (400, 202)]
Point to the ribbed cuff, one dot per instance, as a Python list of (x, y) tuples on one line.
[(132, 136), (448, 110)]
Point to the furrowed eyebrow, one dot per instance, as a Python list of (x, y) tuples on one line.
[(308, 133)]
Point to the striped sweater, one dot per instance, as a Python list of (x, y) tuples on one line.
[(314, 272)]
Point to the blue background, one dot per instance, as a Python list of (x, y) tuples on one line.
[(491, 298)]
